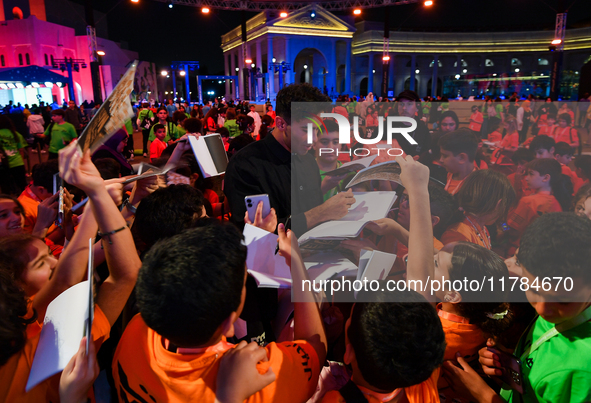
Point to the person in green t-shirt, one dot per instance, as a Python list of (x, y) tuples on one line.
[(11, 145), (555, 351), (59, 132), (172, 133), (231, 124), (144, 113), (327, 159), (178, 118)]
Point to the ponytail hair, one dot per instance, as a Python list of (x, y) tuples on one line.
[(561, 185), (488, 309)]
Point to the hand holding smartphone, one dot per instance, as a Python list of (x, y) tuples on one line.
[(252, 203), (512, 375)]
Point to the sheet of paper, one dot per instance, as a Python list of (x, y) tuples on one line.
[(261, 257), (374, 265), (323, 266), (63, 328), (368, 206), (112, 114), (268, 281)]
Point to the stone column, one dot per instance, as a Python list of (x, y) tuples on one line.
[(227, 63), (271, 72), (413, 67), (259, 64), (370, 73), (434, 77), (348, 69)]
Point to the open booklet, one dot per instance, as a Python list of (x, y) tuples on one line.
[(210, 154), (68, 318), (112, 114), (368, 206), (352, 166), (385, 171)]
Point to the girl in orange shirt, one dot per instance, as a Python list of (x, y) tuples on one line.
[(484, 199), (565, 132), (511, 140), (467, 322)]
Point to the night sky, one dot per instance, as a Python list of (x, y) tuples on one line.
[(162, 35)]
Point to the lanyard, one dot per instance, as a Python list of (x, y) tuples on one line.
[(560, 328)]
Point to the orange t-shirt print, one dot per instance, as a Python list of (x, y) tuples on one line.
[(143, 370)]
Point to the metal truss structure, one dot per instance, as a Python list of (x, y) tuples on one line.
[(91, 35), (254, 5), (560, 29)]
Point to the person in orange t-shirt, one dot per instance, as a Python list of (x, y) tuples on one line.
[(40, 281), (583, 170), (548, 128), (485, 198), (552, 194), (458, 151), (409, 334), (565, 132), (476, 119), (563, 153), (40, 189), (467, 322), (511, 140), (190, 292), (158, 145), (520, 159)]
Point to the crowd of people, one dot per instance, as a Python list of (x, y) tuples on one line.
[(178, 318)]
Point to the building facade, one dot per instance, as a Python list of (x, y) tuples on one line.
[(27, 39), (341, 57)]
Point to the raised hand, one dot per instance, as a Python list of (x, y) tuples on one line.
[(238, 376)]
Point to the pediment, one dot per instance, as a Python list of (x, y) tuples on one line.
[(324, 20)]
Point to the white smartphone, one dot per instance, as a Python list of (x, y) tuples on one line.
[(252, 202)]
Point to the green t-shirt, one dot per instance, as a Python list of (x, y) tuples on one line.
[(60, 136), (143, 114), (171, 132), (559, 370), (181, 131), (129, 127), (232, 127), (11, 147), (340, 187), (499, 109), (351, 106)]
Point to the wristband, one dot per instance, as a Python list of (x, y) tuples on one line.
[(108, 234)]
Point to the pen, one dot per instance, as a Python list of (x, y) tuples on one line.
[(286, 224)]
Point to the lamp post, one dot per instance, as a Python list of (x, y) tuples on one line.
[(183, 67), (69, 64), (280, 68)]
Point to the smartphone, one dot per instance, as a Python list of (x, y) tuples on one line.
[(252, 202), (512, 375)]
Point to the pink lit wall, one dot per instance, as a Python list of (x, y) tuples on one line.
[(42, 41)]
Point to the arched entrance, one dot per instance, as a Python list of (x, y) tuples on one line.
[(311, 67), (407, 84), (363, 87)]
